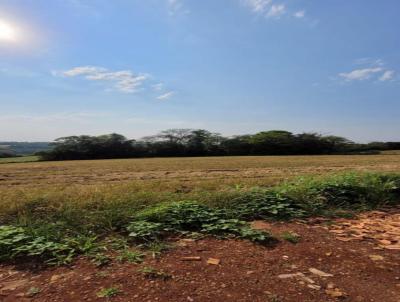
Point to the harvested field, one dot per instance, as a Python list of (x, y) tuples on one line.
[(197, 172), (155, 180)]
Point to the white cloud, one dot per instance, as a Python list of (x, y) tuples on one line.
[(123, 80), (388, 75), (373, 68), (360, 74), (270, 9), (158, 87), (165, 96), (299, 14), (370, 62), (257, 6), (276, 10)]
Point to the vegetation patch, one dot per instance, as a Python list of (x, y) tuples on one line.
[(291, 237), (130, 256), (186, 217), (108, 292), (58, 235), (152, 273)]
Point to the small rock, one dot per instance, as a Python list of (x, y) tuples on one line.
[(330, 285), (314, 286), (335, 293), (319, 273), (192, 258), (306, 279), (287, 276), (376, 257), (213, 261)]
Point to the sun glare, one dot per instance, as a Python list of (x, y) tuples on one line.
[(7, 32)]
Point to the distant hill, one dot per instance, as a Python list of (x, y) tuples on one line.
[(23, 148)]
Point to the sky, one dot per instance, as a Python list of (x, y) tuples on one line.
[(135, 67)]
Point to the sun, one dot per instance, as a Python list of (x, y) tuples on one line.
[(7, 32)]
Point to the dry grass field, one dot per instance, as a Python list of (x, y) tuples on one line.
[(159, 179), (196, 173)]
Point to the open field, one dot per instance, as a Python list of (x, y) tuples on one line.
[(196, 173), (163, 179), (19, 159), (105, 218)]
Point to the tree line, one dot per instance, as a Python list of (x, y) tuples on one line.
[(199, 142)]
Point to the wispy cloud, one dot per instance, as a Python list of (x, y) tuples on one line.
[(122, 80), (270, 9), (373, 69), (166, 96), (388, 75), (360, 74), (300, 14), (276, 11), (158, 86), (176, 7), (257, 6), (369, 61)]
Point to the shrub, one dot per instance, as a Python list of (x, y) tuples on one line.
[(187, 216), (16, 242)]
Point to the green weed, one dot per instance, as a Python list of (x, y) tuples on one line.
[(152, 273), (186, 217), (156, 248), (291, 237), (108, 292), (130, 256)]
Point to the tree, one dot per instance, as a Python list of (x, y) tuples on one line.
[(272, 142)]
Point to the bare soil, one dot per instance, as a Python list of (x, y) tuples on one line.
[(322, 266)]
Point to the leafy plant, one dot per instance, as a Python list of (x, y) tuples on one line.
[(130, 256), (33, 291), (186, 217), (11, 237), (99, 259), (16, 242), (264, 203), (291, 237), (156, 248), (145, 231), (152, 273), (108, 292)]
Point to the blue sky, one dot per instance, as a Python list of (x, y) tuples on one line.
[(232, 66)]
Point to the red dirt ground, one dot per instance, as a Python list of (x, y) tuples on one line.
[(362, 269)]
